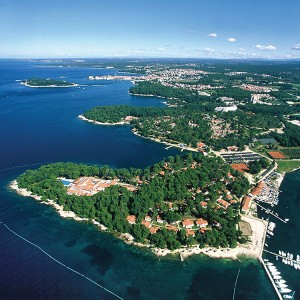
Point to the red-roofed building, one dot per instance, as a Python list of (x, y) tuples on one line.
[(203, 204), (232, 148), (154, 229), (190, 232), (246, 203), (146, 223), (257, 190), (224, 203), (171, 227), (201, 223), (131, 219), (187, 223)]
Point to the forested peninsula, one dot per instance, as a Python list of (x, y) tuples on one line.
[(178, 201)]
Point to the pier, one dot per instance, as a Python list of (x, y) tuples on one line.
[(265, 267), (169, 147), (271, 213), (271, 278), (276, 254)]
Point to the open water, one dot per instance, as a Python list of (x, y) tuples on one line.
[(40, 125)]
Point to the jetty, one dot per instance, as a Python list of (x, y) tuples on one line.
[(169, 147), (270, 212), (266, 269), (276, 254)]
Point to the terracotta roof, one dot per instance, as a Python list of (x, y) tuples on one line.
[(154, 229), (187, 222), (223, 203), (276, 154), (246, 203), (201, 222), (203, 204), (190, 232), (146, 223), (131, 218), (171, 227)]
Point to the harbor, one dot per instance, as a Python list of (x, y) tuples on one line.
[(269, 195)]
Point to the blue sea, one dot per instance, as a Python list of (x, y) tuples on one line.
[(41, 125)]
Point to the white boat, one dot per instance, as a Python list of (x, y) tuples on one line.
[(269, 264), (282, 285), (279, 252), (277, 277), (288, 297), (283, 253), (286, 220), (298, 258), (280, 281), (271, 233), (284, 291), (275, 273)]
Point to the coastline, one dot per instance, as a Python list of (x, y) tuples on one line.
[(252, 248), (137, 134), (165, 143), (101, 123)]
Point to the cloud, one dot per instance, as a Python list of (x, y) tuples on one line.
[(209, 50), (265, 48), (161, 49), (231, 40), (297, 47), (213, 35)]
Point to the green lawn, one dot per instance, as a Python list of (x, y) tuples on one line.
[(287, 165)]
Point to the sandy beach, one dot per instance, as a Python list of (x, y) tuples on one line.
[(253, 248)]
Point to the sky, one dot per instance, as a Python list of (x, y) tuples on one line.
[(150, 28)]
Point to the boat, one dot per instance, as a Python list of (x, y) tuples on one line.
[(286, 220), (279, 252), (284, 291), (277, 277), (289, 296), (282, 285), (280, 281), (275, 273)]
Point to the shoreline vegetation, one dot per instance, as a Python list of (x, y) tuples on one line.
[(47, 83), (137, 134), (252, 248)]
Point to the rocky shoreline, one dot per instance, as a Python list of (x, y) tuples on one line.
[(252, 249)]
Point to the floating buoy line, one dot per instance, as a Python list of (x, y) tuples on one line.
[(62, 264)]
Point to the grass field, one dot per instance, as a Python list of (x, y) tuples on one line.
[(287, 165)]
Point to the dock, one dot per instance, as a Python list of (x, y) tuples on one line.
[(276, 254), (265, 267), (271, 278), (271, 213), (169, 147)]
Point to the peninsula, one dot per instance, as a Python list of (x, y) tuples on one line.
[(173, 204)]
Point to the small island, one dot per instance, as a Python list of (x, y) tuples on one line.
[(42, 82), (175, 206)]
